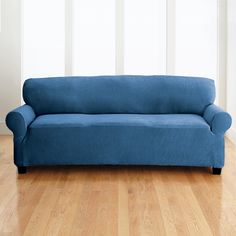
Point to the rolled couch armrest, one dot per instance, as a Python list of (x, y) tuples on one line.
[(218, 119), (18, 121)]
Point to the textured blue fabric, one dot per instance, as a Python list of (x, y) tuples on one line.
[(119, 94), (218, 120), (18, 121), (120, 139), (152, 120), (84, 120)]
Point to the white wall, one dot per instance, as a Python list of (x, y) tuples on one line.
[(43, 38), (231, 66), (10, 59)]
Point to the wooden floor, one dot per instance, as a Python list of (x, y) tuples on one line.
[(116, 200)]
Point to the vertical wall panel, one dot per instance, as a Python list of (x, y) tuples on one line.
[(231, 66), (145, 36), (43, 38), (196, 38), (94, 37)]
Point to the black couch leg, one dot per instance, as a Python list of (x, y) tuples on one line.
[(216, 171), (22, 169)]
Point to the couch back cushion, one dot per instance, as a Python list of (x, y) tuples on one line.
[(119, 94)]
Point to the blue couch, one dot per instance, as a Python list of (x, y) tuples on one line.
[(119, 120)]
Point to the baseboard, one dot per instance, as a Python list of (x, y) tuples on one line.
[(3, 129), (231, 134)]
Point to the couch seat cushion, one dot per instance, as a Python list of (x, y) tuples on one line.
[(119, 139), (81, 120)]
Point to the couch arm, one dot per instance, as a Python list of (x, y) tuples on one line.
[(18, 121), (218, 119)]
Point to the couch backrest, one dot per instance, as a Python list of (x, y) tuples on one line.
[(119, 94)]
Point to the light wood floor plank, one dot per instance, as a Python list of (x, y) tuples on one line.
[(144, 208), (123, 217)]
